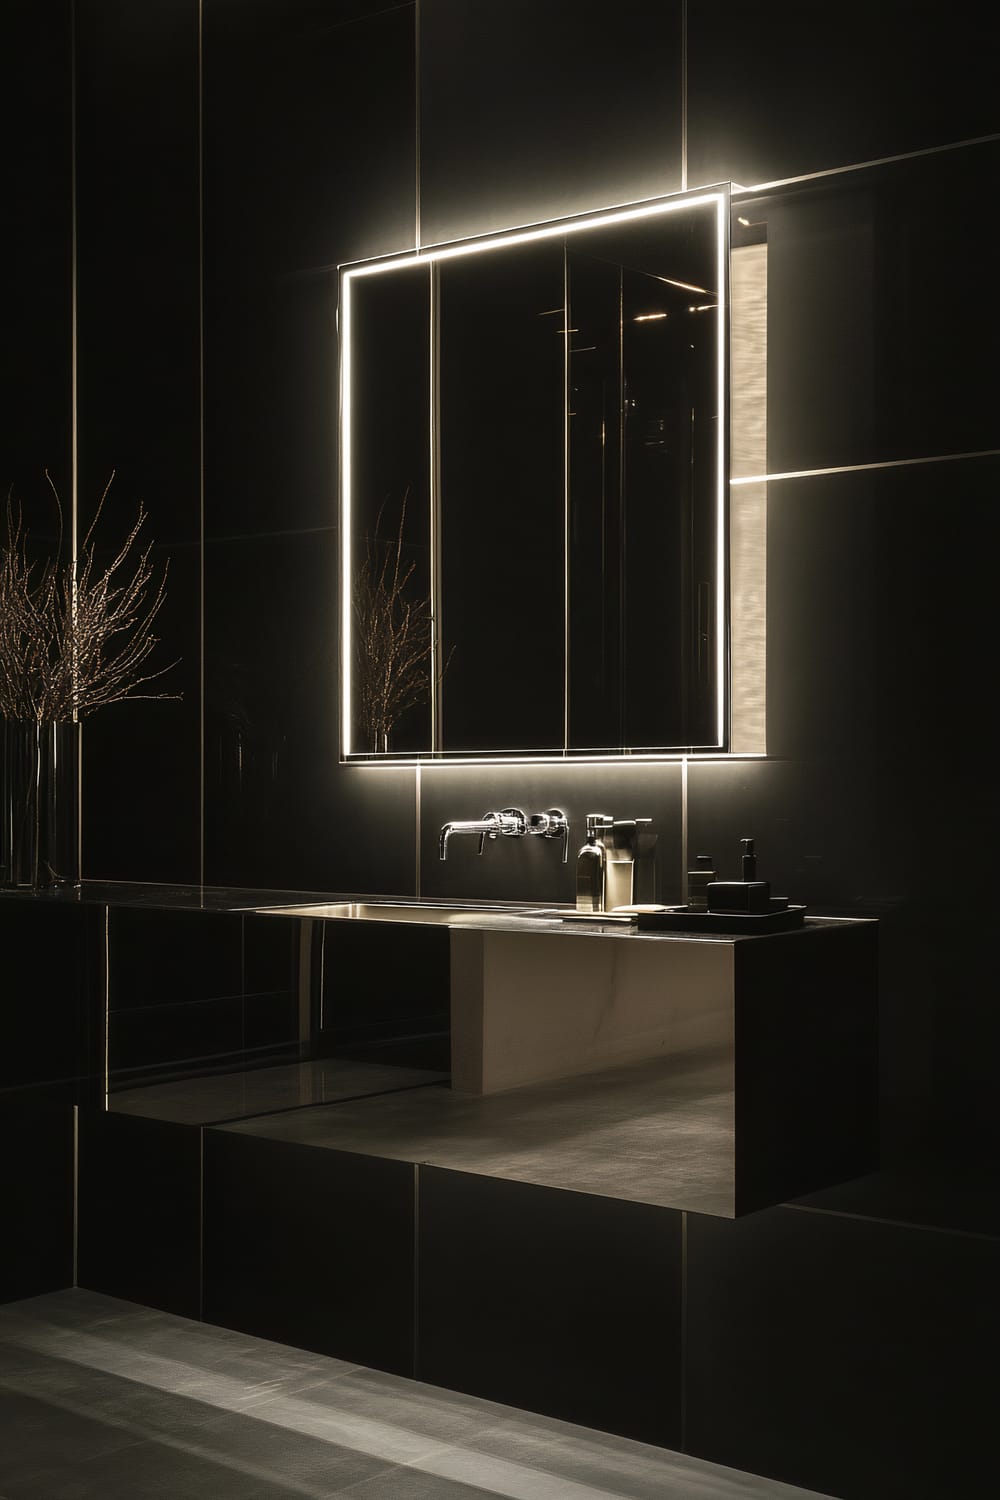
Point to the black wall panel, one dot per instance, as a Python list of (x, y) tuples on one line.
[(560, 1302), (778, 89), (310, 1247), (138, 360), (36, 285), (847, 1356), (531, 109), (309, 142)]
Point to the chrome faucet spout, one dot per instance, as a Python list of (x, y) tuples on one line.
[(510, 822)]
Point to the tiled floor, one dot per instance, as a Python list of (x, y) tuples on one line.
[(102, 1398)]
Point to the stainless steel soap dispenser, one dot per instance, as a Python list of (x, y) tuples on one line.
[(592, 864)]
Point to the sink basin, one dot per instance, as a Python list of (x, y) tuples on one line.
[(462, 914)]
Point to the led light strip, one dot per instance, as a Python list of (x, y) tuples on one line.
[(450, 251)]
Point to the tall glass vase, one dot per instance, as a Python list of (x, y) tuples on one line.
[(40, 805)]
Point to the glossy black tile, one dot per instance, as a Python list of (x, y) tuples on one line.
[(878, 609), (935, 1193), (807, 1043), (139, 1210), (271, 1024), (850, 1357), (531, 869), (377, 993), (870, 357), (36, 1189), (775, 91), (137, 340), (313, 1248), (270, 954), (171, 958), (534, 1297), (280, 810), (309, 130), (529, 112), (137, 244), (35, 377), (184, 1037), (47, 1016), (141, 758)]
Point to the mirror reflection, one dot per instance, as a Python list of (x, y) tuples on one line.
[(533, 462)]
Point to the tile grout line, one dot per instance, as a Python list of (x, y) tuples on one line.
[(743, 191), (415, 1329), (201, 1223), (684, 96), (76, 1195), (841, 1213), (416, 123), (684, 1330)]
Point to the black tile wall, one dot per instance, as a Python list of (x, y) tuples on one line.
[(137, 324), (160, 958), (556, 1301), (382, 996), (844, 1355), (777, 90), (140, 1210), (531, 109), (862, 272), (46, 1013), (36, 1190), (190, 990), (35, 366), (309, 151), (311, 1247), (531, 868)]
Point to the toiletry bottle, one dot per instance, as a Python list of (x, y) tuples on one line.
[(747, 896), (592, 864), (697, 883)]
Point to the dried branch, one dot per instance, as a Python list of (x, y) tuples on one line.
[(396, 645), (74, 636)]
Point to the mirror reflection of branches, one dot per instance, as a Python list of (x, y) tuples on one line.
[(395, 634)]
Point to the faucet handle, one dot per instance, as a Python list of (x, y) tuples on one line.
[(552, 825), (510, 821), (600, 822)]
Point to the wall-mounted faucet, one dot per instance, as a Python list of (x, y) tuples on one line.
[(510, 822)]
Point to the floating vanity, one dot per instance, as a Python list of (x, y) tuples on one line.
[(717, 1072)]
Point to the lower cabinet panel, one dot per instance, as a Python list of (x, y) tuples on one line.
[(140, 1210), (310, 1247), (36, 1191), (558, 1302), (849, 1356)]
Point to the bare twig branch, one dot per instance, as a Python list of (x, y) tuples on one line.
[(74, 637)]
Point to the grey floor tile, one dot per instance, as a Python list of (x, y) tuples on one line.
[(104, 1400), (411, 1484)]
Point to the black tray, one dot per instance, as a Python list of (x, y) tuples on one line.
[(682, 920)]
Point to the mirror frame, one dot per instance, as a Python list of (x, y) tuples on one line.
[(717, 194)]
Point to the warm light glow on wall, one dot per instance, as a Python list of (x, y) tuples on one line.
[(748, 502)]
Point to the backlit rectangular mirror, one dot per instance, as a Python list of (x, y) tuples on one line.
[(533, 445)]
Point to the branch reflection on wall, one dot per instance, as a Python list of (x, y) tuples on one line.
[(748, 502)]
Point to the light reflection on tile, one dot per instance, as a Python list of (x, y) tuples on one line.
[(103, 1398), (233, 1096)]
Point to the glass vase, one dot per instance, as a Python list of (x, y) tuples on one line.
[(40, 805)]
